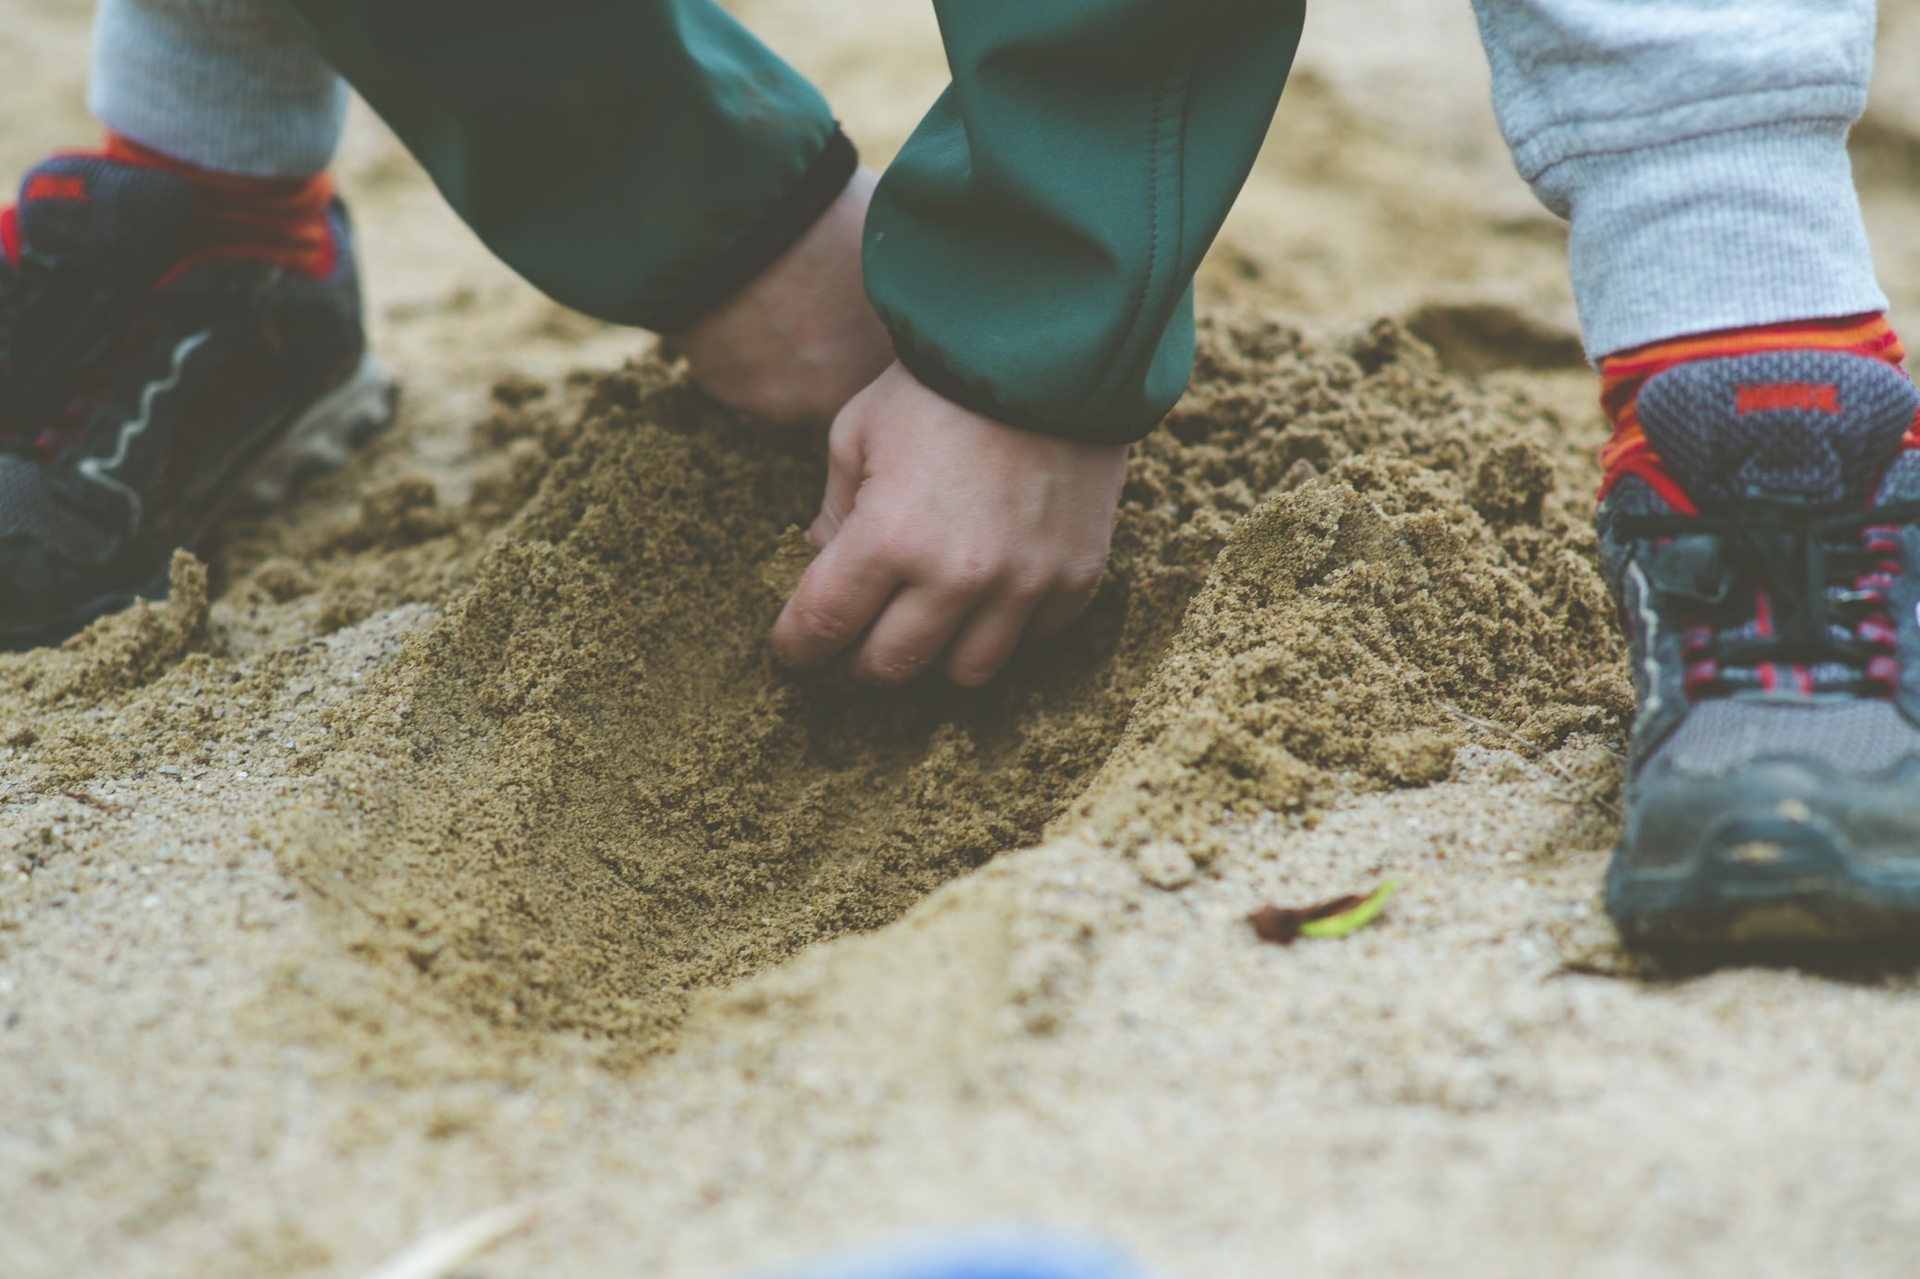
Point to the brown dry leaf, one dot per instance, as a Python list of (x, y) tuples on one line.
[(1281, 924), (1284, 925)]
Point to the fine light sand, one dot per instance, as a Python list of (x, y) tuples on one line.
[(450, 840)]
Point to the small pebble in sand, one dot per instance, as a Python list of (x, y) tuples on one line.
[(1164, 864)]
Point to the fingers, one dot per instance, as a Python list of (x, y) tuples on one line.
[(987, 639), (842, 592), (966, 622), (911, 633), (944, 536), (1067, 601), (853, 588), (855, 595), (845, 469), (844, 588)]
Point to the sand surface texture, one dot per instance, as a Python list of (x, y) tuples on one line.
[(450, 840)]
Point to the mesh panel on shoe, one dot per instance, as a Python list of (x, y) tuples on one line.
[(93, 209), (1902, 481), (1812, 424), (1864, 736), (28, 510)]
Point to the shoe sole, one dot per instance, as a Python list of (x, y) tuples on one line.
[(320, 440), (1766, 881)]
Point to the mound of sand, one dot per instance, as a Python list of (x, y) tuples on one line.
[(1412, 577), (588, 791)]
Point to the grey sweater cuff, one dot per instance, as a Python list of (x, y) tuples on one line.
[(218, 83), (1699, 147), (1744, 227)]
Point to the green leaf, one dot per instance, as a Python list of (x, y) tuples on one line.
[(1348, 921)]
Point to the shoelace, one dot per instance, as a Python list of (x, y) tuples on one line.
[(1808, 607)]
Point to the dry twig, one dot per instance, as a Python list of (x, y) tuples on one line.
[(443, 1251), (111, 809)]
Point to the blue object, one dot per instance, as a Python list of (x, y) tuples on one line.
[(1003, 1253)]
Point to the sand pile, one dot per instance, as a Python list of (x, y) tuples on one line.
[(588, 790), (1415, 583)]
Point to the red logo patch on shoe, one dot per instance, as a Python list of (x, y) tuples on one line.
[(54, 186), (1773, 397)]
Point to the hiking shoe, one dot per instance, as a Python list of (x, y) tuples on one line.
[(145, 392), (1767, 566)]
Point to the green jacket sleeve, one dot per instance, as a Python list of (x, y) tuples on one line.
[(1032, 249), (638, 160)]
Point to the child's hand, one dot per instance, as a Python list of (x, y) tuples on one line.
[(944, 536)]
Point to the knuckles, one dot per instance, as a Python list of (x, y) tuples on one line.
[(969, 576), (823, 626), (1082, 577)]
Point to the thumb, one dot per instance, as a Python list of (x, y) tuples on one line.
[(846, 472)]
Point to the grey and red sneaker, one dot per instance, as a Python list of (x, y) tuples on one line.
[(149, 383), (1764, 547)]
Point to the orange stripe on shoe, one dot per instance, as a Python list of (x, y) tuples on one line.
[(281, 220), (1623, 374), (54, 186)]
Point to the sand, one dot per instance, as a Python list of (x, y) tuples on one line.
[(450, 839)]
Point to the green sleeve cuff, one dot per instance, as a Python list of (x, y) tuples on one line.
[(716, 278), (1032, 249), (638, 160), (982, 395)]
